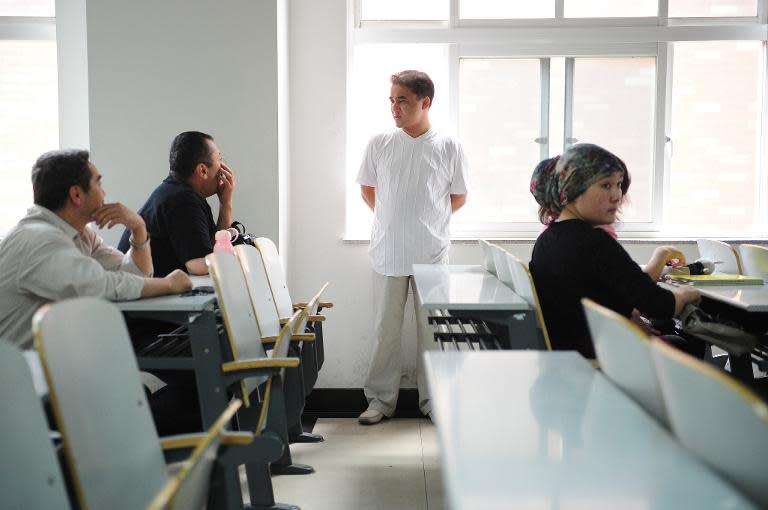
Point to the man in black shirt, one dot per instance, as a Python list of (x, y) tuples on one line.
[(178, 217)]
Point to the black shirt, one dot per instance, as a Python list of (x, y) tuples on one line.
[(180, 225), (572, 260)]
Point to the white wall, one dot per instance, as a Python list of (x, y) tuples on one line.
[(156, 69)]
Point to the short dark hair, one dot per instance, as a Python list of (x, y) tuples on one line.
[(417, 82), (55, 172), (189, 149)]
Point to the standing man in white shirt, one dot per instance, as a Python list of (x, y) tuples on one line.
[(413, 179)]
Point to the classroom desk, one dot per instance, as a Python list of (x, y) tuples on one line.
[(750, 298), (544, 430), (746, 305), (471, 291), (205, 354)]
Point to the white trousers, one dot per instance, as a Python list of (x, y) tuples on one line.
[(383, 382)]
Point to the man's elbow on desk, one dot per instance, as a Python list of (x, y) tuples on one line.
[(196, 267)]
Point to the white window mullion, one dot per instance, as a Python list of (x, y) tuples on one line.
[(543, 139), (568, 138), (454, 63), (559, 9), (663, 141), (453, 14), (663, 12)]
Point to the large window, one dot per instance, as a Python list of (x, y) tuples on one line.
[(675, 88), (28, 99)]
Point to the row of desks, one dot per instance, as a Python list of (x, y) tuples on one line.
[(552, 432)]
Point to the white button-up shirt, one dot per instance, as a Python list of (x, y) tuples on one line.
[(44, 259), (414, 179)]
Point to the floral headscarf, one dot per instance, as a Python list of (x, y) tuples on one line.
[(560, 180)]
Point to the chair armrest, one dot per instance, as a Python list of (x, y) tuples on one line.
[(235, 366), (181, 441), (316, 318), (236, 438), (303, 337), (268, 339), (321, 304), (284, 320)]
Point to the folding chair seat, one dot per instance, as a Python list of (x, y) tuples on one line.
[(111, 448), (718, 251), (716, 417), (522, 284), (246, 340), (754, 260), (624, 352), (488, 259), (263, 303), (285, 307), (31, 476)]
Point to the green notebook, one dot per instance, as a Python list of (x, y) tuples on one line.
[(714, 279)]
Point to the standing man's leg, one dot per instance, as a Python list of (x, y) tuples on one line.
[(383, 382), (425, 342)]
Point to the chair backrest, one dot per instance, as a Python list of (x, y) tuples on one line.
[(189, 488), (717, 418), (110, 443), (259, 290), (276, 276), (754, 260), (240, 321), (502, 268), (715, 251), (31, 476), (488, 261), (624, 352), (524, 287)]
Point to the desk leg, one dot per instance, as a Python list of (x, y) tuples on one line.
[(207, 355)]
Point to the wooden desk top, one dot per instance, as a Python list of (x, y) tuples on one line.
[(532, 429)]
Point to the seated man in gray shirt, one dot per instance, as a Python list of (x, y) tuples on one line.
[(52, 255)]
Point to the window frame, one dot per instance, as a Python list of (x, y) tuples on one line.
[(585, 37)]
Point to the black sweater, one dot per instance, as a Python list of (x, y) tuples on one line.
[(572, 260)]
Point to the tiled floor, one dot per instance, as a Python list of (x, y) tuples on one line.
[(390, 466)]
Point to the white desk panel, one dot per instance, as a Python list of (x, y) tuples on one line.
[(544, 430), (174, 303), (752, 298), (457, 287)]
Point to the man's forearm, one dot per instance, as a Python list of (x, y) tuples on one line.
[(457, 202), (225, 217), (141, 255)]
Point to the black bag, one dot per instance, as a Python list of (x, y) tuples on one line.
[(242, 237), (726, 335)]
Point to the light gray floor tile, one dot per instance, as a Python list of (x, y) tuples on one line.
[(391, 465)]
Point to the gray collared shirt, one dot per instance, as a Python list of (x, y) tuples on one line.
[(44, 259)]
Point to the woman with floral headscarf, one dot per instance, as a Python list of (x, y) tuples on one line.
[(572, 259)]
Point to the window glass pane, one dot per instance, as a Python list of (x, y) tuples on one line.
[(499, 118), (711, 8), (610, 8), (404, 10), (714, 137), (29, 123), (369, 108), (45, 8), (613, 102), (506, 9)]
